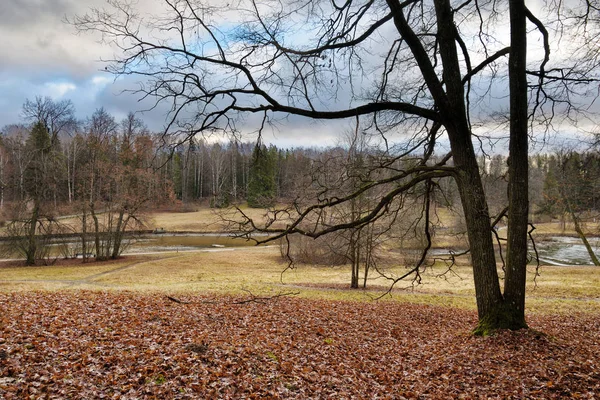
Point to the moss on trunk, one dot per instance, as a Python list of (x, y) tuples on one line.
[(501, 317)]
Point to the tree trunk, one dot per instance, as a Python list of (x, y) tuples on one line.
[(233, 172), (99, 255), (31, 242), (582, 236), (468, 179), (201, 177), (21, 179), (84, 234), (485, 274), (518, 171), (73, 168), (368, 253), (355, 262), (69, 192), (55, 187), (121, 225), (184, 175)]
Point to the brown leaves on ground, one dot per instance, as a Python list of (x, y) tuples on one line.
[(126, 346)]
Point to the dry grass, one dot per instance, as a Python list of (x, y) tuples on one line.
[(558, 228), (64, 274), (259, 270), (204, 219)]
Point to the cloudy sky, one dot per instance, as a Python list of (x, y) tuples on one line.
[(44, 56)]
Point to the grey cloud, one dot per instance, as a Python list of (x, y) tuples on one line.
[(117, 100), (285, 130), (37, 40), (38, 48), (23, 13)]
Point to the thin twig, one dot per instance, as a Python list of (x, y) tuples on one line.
[(176, 300), (262, 300), (537, 256)]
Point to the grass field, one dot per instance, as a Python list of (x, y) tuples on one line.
[(203, 219), (259, 270)]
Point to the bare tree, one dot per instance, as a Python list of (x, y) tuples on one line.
[(31, 215), (131, 127), (415, 66), (340, 172), (57, 116)]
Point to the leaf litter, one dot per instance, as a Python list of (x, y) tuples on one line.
[(143, 346)]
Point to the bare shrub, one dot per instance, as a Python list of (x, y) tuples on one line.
[(48, 242), (324, 250)]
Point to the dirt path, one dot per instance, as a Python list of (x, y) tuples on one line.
[(88, 280)]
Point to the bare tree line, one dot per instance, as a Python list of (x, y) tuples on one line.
[(88, 168)]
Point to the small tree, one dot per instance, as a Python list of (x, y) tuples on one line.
[(116, 184), (31, 218)]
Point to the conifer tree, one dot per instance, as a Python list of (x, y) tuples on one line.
[(262, 183)]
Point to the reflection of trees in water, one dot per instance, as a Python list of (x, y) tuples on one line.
[(565, 250)]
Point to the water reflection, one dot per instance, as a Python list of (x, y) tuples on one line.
[(71, 247), (184, 242), (565, 250)]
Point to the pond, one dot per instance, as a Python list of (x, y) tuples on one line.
[(70, 246), (183, 242), (553, 250), (566, 250)]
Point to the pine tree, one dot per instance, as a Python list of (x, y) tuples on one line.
[(36, 174), (262, 183), (177, 174), (36, 186)]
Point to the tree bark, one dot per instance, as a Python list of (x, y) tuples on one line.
[(581, 234), (31, 242), (487, 286), (518, 174), (99, 253), (468, 179), (355, 262), (119, 231), (84, 249)]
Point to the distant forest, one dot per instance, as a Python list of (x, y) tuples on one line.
[(65, 166)]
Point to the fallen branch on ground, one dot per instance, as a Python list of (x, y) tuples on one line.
[(253, 298)]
